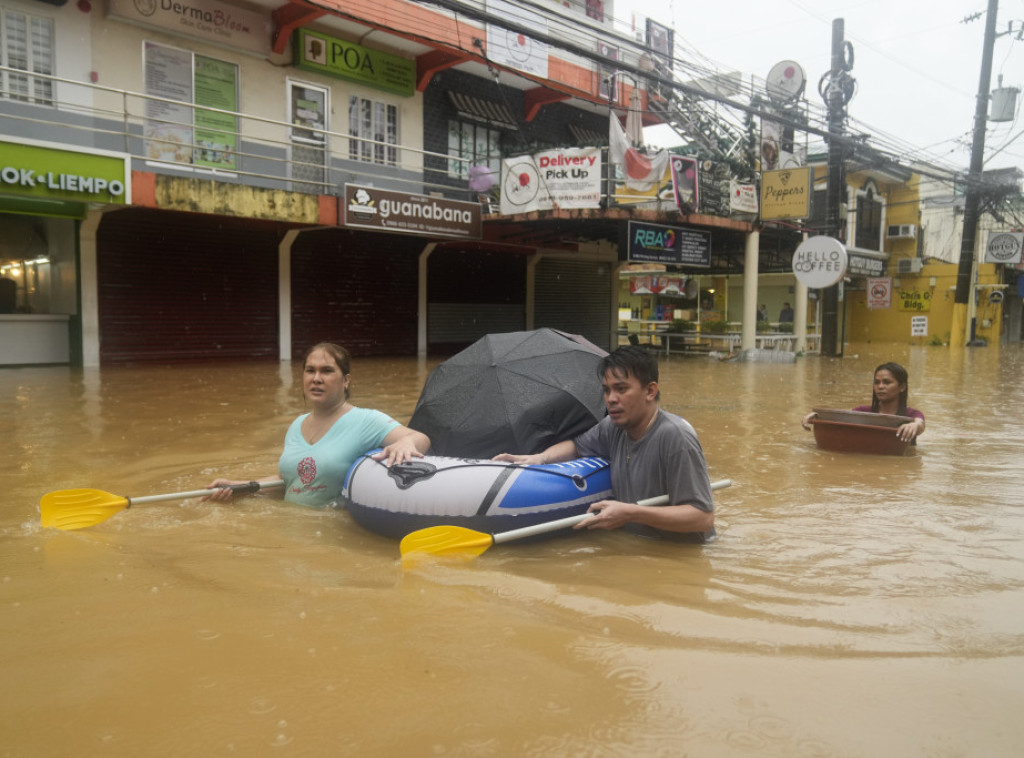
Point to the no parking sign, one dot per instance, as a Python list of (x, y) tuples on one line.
[(879, 292)]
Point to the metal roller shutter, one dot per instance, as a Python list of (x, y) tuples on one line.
[(177, 287), (356, 289), (574, 296)]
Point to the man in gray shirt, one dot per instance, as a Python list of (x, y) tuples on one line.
[(652, 452)]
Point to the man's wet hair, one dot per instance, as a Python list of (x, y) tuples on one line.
[(631, 361)]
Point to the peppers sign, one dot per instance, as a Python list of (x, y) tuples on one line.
[(820, 262), (1004, 247), (786, 193), (37, 171)]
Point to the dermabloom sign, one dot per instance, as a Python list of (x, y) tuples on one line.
[(820, 262)]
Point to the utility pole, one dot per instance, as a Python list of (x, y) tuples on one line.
[(962, 333), (836, 95)]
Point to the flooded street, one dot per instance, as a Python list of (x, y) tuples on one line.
[(852, 605)]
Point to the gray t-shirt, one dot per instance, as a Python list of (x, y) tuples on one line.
[(668, 459)]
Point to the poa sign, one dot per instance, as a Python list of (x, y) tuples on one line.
[(820, 262)]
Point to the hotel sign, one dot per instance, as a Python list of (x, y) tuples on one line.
[(405, 213), (1004, 247), (39, 172), (329, 55)]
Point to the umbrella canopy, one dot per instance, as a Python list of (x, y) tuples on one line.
[(516, 392)]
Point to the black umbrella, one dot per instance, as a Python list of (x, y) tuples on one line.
[(516, 392)]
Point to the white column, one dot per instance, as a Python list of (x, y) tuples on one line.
[(800, 316), (89, 287), (750, 277), (421, 318), (284, 295)]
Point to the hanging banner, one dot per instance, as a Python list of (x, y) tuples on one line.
[(657, 285), (515, 49), (684, 182), (879, 293), (567, 178), (742, 197)]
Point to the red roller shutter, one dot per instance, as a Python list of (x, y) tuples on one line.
[(358, 289), (177, 287)]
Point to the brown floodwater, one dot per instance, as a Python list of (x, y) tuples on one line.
[(853, 605)]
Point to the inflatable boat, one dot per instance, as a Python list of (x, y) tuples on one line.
[(484, 495)]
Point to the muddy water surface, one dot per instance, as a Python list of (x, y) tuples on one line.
[(853, 605)]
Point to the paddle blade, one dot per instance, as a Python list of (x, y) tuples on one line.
[(80, 508), (453, 541)]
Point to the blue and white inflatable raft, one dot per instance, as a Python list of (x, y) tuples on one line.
[(484, 495)]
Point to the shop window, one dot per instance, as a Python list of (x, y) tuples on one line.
[(308, 112), (374, 131), (475, 145), (179, 126), (26, 44), (869, 218)]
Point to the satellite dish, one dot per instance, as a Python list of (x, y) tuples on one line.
[(785, 82)]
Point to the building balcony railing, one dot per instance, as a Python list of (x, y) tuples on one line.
[(243, 148)]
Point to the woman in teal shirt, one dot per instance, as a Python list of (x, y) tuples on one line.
[(321, 446)]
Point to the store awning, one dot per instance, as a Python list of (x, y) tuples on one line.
[(584, 137), (479, 109)]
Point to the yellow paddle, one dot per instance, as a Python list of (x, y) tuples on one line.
[(81, 508), (466, 543)]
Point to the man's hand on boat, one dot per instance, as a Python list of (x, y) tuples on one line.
[(557, 453)]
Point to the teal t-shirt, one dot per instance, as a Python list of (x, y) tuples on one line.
[(315, 474)]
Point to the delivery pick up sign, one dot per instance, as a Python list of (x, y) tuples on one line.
[(819, 262)]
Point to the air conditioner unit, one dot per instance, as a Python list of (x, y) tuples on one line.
[(908, 266), (901, 231)]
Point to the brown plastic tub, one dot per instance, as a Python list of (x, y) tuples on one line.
[(859, 431)]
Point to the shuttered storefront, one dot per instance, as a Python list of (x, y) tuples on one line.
[(358, 289), (177, 287), (574, 296), (472, 293)]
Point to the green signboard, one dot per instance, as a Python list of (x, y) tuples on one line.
[(216, 136), (346, 60), (37, 172)]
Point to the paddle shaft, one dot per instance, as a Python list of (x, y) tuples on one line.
[(238, 489), (562, 523)]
